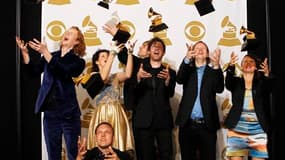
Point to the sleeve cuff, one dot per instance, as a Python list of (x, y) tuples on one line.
[(186, 60)]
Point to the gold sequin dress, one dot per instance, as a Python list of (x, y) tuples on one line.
[(108, 107)]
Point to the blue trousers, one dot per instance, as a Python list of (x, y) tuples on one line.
[(55, 125)]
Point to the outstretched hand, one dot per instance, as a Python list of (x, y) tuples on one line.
[(215, 58), (234, 59), (130, 46), (24, 49), (190, 52), (142, 73), (164, 74), (38, 46), (110, 154), (111, 29), (81, 145), (21, 44), (264, 67), (115, 48)]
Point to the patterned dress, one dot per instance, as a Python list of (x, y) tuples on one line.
[(247, 138), (109, 108)]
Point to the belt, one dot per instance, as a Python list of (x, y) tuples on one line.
[(198, 120)]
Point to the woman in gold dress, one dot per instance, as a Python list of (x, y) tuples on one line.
[(105, 88)]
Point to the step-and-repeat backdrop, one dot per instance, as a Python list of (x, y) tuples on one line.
[(181, 23)]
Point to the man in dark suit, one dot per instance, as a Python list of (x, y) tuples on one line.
[(197, 116), (147, 94), (152, 116)]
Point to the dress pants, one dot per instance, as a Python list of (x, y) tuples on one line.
[(196, 141), (56, 125), (153, 144)]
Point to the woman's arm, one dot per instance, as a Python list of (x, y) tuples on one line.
[(122, 76), (105, 71)]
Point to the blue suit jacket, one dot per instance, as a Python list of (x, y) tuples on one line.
[(59, 71)]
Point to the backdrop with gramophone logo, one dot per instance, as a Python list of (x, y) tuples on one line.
[(177, 22)]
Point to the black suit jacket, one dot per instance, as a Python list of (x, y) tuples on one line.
[(212, 83), (153, 99), (261, 89), (96, 154)]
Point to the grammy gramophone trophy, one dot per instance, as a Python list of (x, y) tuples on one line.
[(250, 41), (158, 28), (229, 37), (104, 3), (123, 33), (156, 21), (90, 35)]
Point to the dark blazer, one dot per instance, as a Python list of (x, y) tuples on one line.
[(212, 83), (261, 88), (130, 101), (153, 100), (57, 77)]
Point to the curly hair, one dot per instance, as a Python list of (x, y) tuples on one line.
[(79, 48)]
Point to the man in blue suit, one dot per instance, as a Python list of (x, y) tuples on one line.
[(57, 95)]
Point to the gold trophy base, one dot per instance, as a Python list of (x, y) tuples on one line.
[(190, 2), (127, 2), (59, 2), (163, 35), (92, 41), (166, 41), (229, 42)]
